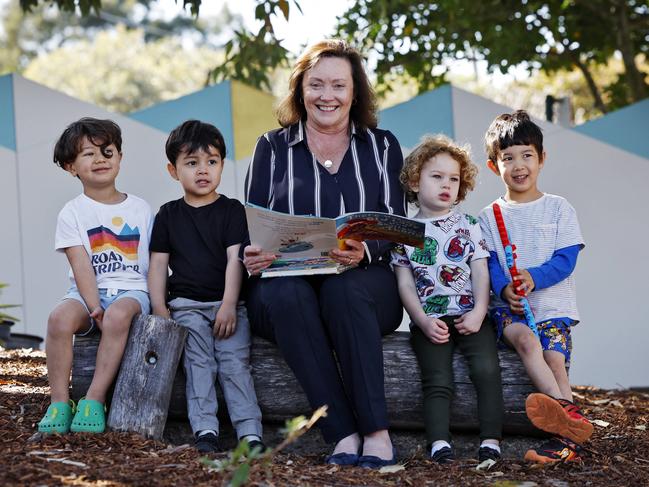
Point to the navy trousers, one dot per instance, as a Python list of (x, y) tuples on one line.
[(310, 318)]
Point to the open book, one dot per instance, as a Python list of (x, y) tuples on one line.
[(304, 242)]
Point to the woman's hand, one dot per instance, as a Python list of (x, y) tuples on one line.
[(256, 260), (352, 254)]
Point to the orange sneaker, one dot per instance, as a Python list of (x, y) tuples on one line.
[(558, 416), (553, 451)]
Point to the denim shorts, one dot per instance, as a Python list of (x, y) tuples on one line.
[(553, 333), (108, 297)]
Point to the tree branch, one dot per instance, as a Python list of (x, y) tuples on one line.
[(635, 78), (592, 86)]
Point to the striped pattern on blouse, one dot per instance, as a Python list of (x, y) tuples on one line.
[(285, 176)]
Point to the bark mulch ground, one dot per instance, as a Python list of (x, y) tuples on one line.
[(616, 455)]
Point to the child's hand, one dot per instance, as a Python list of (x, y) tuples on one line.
[(435, 330), (469, 323), (226, 321), (513, 299), (97, 315), (162, 311), (526, 283)]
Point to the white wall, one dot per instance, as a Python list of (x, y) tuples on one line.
[(10, 253), (43, 188), (605, 184), (607, 187), (588, 173)]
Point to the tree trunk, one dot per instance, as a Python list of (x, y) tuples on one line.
[(140, 401), (592, 86), (635, 78), (280, 397)]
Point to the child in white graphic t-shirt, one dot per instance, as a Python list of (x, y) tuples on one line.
[(104, 233), (444, 287), (545, 231)]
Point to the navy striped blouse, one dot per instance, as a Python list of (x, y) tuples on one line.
[(285, 176)]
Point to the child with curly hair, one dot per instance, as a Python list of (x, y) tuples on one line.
[(445, 290)]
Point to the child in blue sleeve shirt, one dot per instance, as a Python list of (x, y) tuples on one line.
[(546, 233)]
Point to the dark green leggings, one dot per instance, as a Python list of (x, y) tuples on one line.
[(436, 365)]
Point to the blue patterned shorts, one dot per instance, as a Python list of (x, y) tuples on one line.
[(554, 333)]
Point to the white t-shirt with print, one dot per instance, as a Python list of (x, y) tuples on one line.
[(537, 229), (442, 269), (116, 238)]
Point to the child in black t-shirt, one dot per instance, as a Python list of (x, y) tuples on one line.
[(198, 237)]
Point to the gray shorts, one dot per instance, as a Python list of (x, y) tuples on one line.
[(108, 297)]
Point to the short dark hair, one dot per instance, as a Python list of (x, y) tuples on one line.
[(191, 136), (101, 133), (512, 129), (363, 111)]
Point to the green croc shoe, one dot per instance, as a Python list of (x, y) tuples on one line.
[(57, 418), (90, 417)]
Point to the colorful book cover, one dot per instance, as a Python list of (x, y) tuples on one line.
[(304, 242), (373, 225)]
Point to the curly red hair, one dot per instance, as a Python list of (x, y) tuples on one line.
[(429, 147)]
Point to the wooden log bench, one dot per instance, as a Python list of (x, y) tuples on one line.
[(142, 392), (280, 396)]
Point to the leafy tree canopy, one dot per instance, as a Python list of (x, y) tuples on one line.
[(46, 26), (421, 38), (144, 73), (418, 40), (250, 56)]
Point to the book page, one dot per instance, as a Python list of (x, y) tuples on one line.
[(301, 242)]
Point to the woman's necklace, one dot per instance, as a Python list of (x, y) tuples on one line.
[(328, 149)]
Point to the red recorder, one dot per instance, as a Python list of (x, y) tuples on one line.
[(510, 258)]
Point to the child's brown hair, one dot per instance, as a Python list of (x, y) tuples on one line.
[(101, 133), (429, 147), (511, 129)]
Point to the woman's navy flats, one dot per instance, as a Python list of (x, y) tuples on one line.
[(342, 459), (370, 461)]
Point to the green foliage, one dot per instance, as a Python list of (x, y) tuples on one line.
[(121, 72), (251, 57), (47, 26), (419, 40), (530, 92), (422, 39), (85, 6), (241, 461), (4, 316)]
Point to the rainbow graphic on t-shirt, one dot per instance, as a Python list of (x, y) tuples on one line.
[(126, 243)]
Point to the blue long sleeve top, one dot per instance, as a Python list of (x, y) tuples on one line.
[(561, 265)]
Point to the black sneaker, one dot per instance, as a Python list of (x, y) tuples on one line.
[(207, 443), (486, 453), (257, 444), (443, 456)]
